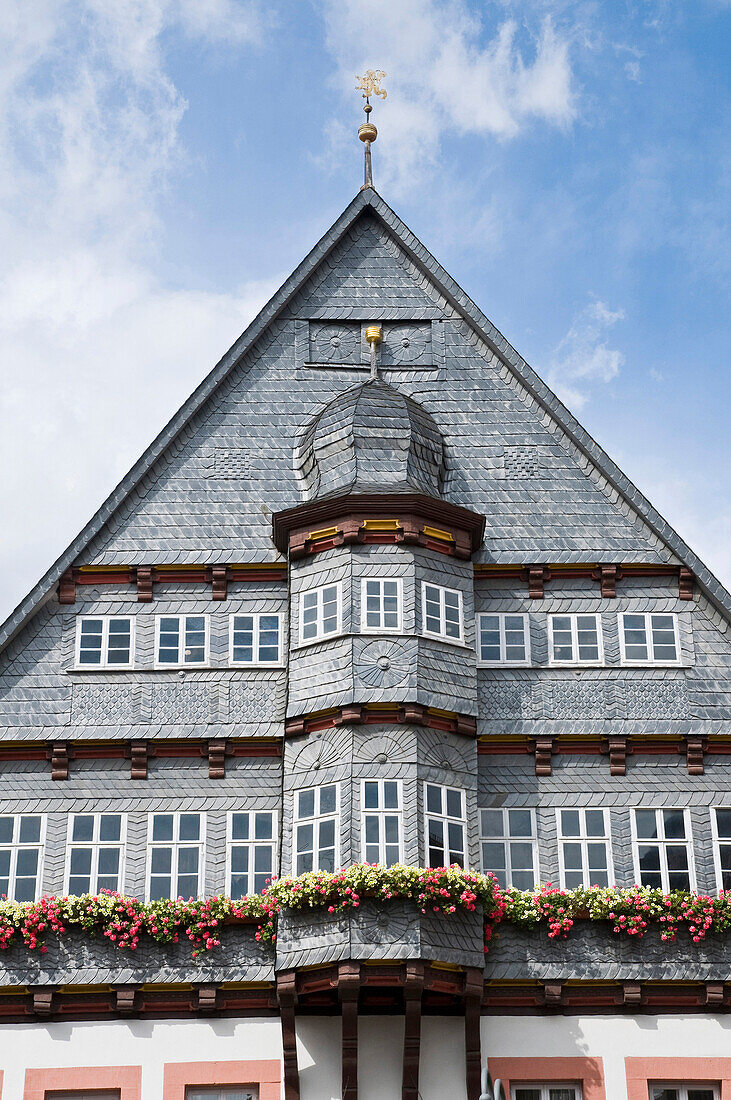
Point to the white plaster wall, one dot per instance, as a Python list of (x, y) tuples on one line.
[(380, 1054), (135, 1042), (612, 1038), (153, 1043)]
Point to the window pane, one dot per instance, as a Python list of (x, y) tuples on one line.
[(108, 862), (83, 828), (433, 798), (190, 825), (6, 830), (90, 642), (30, 829), (570, 823), (674, 821), (169, 637), (595, 823), (492, 822), (520, 823), (162, 827), (723, 822), (635, 637), (195, 639), (493, 856), (563, 649), (370, 795), (646, 823), (390, 795), (328, 799), (305, 803), (263, 826), (110, 827), (119, 641), (243, 638), (454, 803)]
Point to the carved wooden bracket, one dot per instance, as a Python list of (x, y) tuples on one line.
[(694, 749), (348, 993), (139, 754), (631, 994), (219, 582), (538, 575), (216, 750), (59, 754), (125, 999), (685, 583), (43, 1002), (144, 578), (287, 997), (552, 993), (608, 575), (207, 998), (67, 587), (617, 749), (714, 993), (543, 750)]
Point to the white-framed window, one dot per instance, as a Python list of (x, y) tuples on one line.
[(584, 848), (251, 851), (22, 837), (503, 639), (648, 639), (553, 1090), (255, 639), (721, 827), (661, 840), (381, 603), (181, 640), (575, 640), (679, 1090), (95, 853), (316, 829), (175, 855), (321, 611), (382, 812), (509, 846), (105, 641), (441, 610), (446, 825)]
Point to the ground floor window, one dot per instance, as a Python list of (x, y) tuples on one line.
[(678, 1091), (229, 1093), (85, 1094), (553, 1091)]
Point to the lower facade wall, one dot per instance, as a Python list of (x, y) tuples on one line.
[(613, 1057)]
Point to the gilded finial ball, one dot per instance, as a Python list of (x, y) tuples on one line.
[(374, 334), (367, 132)]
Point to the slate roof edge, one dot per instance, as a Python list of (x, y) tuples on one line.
[(42, 591), (547, 399)]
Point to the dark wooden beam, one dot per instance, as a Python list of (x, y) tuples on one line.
[(473, 988), (348, 993), (413, 989), (287, 997)]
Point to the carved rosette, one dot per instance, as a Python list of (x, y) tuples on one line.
[(382, 664)]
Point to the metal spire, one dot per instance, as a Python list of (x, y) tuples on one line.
[(369, 84)]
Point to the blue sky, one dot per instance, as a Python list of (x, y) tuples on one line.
[(164, 165)]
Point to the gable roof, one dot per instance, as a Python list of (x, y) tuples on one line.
[(369, 200)]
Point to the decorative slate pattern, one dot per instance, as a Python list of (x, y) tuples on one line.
[(382, 663), (183, 702), (406, 345), (231, 463), (335, 343), (105, 704), (520, 463)]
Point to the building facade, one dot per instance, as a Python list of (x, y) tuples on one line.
[(375, 596)]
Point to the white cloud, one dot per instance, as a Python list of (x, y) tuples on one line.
[(90, 338), (447, 76), (582, 358)]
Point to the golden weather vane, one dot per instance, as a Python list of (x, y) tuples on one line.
[(369, 84)]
